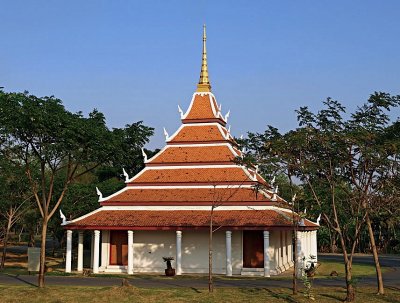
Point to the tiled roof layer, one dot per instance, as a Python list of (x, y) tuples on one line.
[(187, 218), (190, 195)]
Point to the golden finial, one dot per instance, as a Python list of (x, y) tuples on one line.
[(204, 82)]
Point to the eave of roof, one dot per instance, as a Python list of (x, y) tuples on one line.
[(186, 219)]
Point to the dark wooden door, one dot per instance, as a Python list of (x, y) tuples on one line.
[(253, 249), (118, 247)]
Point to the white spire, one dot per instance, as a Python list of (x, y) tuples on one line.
[(144, 155), (63, 218), (180, 111), (126, 175), (99, 194), (319, 219), (166, 134), (227, 116)]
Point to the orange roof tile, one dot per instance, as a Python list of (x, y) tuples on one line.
[(186, 218), (199, 133), (190, 195), (194, 154), (215, 175), (201, 108)]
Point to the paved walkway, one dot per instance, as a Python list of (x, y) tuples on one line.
[(391, 278)]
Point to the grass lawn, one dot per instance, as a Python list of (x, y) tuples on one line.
[(132, 294), (323, 271), (357, 269)]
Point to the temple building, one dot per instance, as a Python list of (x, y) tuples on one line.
[(165, 210)]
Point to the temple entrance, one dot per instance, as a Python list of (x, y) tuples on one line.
[(253, 249), (118, 247)]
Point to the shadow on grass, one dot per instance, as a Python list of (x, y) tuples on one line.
[(23, 281), (394, 288), (275, 294), (339, 298), (286, 297), (389, 299), (195, 290)]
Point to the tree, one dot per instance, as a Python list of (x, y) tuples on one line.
[(276, 162), (342, 163), (54, 144), (14, 200), (371, 154), (219, 197)]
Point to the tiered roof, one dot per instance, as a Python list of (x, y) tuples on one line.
[(196, 168), (188, 219)]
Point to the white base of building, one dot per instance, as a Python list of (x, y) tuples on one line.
[(230, 253)]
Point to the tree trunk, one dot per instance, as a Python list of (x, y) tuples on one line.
[(379, 279), (350, 292), (20, 235), (332, 240), (294, 247), (5, 242), (210, 255), (43, 253), (3, 257)]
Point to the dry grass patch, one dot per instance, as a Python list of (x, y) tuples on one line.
[(55, 294)]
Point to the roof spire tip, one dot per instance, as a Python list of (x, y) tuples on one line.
[(204, 82)]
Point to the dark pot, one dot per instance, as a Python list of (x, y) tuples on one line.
[(170, 272)]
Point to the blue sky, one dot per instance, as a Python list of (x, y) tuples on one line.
[(137, 60)]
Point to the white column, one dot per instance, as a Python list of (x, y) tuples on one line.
[(96, 252), (266, 254), (300, 253), (68, 255), (307, 245), (228, 235), (285, 250), (276, 262), (130, 252), (91, 249), (178, 252), (314, 244), (105, 248), (80, 251), (290, 248), (280, 265)]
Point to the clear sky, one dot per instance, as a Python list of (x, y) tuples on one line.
[(137, 60)]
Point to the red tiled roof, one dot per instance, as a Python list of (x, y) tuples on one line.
[(201, 108), (199, 133), (189, 195), (185, 219), (194, 154), (215, 175)]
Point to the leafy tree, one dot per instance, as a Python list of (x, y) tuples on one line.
[(371, 154), (14, 200), (343, 165), (55, 145)]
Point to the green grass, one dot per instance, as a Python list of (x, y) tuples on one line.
[(357, 269), (31, 294), (323, 271)]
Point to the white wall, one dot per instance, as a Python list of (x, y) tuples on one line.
[(150, 246)]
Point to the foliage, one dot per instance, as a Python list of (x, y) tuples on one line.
[(56, 147), (344, 165)]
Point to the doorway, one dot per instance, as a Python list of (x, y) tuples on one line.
[(118, 247), (253, 249)]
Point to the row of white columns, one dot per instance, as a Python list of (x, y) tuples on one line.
[(96, 252), (306, 247), (287, 255)]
